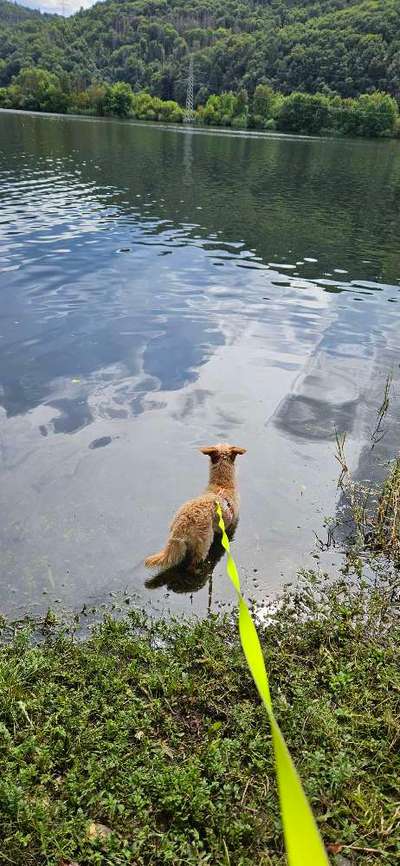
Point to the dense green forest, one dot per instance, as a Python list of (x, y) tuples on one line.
[(340, 47)]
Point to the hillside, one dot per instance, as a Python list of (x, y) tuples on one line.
[(338, 46)]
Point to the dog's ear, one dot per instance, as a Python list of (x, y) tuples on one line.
[(212, 452), (235, 451)]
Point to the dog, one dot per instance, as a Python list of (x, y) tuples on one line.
[(194, 525)]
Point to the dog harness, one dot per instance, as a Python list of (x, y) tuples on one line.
[(227, 508)]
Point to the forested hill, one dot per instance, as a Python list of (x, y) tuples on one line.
[(332, 46)]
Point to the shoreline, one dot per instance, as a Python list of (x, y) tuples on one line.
[(203, 129)]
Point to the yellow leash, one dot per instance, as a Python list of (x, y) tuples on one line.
[(303, 842)]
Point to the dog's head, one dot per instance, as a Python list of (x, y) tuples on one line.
[(217, 453)]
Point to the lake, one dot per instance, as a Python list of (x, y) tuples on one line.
[(162, 289)]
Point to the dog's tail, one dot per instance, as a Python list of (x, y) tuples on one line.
[(173, 553)]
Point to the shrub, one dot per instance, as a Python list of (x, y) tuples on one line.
[(220, 109), (239, 122), (256, 121), (303, 112), (5, 100), (372, 115), (36, 89), (90, 101), (118, 99), (263, 101), (170, 111)]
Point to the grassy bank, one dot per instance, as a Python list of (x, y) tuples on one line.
[(146, 744)]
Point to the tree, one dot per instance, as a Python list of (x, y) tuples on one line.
[(378, 114), (263, 101), (36, 89), (170, 111), (241, 106), (262, 107), (343, 47), (5, 98), (220, 109), (372, 114), (118, 99), (302, 112), (90, 101), (143, 106)]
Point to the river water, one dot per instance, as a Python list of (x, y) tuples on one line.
[(162, 289)]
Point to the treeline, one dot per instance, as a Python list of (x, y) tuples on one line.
[(372, 114), (333, 47)]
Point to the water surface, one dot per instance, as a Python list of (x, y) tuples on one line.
[(162, 289)]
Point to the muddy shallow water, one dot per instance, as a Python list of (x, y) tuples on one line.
[(162, 289)]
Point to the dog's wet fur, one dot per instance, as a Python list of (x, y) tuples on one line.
[(183, 579), (195, 524)]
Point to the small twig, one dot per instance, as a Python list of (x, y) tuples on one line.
[(365, 850), (330, 539), (245, 792), (340, 456), (378, 434)]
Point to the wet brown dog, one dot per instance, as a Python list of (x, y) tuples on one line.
[(193, 527)]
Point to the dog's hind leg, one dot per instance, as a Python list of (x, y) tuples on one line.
[(200, 546)]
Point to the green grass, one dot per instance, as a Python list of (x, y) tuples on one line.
[(155, 731)]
